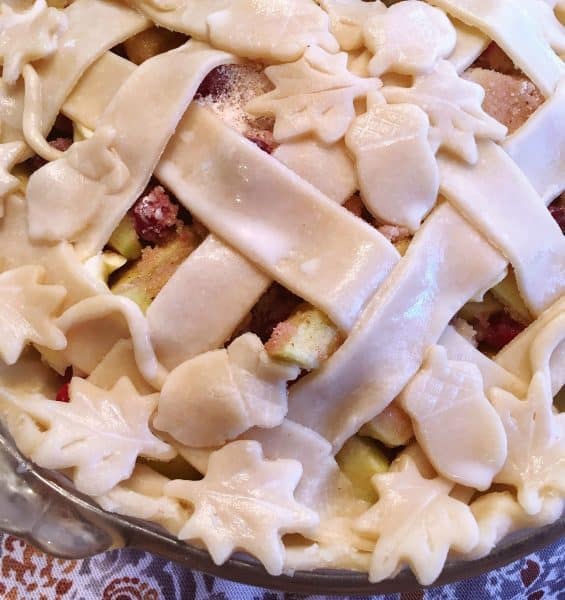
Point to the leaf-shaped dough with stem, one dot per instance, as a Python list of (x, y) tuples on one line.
[(454, 108), (27, 36), (416, 523), (26, 309), (270, 30), (99, 434), (217, 395), (315, 95), (536, 443), (245, 502), (408, 38), (454, 422), (92, 161), (347, 18)]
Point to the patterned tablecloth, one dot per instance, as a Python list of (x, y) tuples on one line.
[(128, 575)]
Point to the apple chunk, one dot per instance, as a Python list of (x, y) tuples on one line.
[(306, 338)]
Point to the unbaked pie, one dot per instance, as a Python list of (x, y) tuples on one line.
[(287, 277)]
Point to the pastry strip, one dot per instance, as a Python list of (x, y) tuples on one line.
[(537, 147), (537, 252), (516, 32), (406, 315), (94, 188), (275, 218), (203, 302), (471, 43), (515, 357)]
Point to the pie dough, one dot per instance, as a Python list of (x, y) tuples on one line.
[(360, 171)]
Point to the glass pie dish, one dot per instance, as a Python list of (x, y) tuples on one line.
[(53, 517), (286, 277)]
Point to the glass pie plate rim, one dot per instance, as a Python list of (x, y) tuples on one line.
[(41, 507)]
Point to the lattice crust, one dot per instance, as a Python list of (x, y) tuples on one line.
[(366, 98)]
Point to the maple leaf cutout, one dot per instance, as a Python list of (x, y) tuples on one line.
[(415, 522), (455, 424), (27, 36), (536, 443), (10, 154), (99, 434), (498, 515), (26, 309), (244, 503), (454, 108), (315, 95)]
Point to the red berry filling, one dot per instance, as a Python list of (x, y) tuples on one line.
[(557, 210), (262, 139), (216, 82), (63, 394), (497, 330), (60, 143), (155, 215)]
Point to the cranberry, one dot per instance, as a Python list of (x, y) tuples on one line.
[(498, 330), (274, 306), (155, 215), (216, 82), (264, 140), (557, 210), (63, 394), (60, 143)]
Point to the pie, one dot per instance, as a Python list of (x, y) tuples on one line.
[(286, 277)]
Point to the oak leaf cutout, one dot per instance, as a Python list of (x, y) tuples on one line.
[(455, 424), (314, 95), (216, 396), (28, 36), (244, 503), (408, 38), (536, 443), (453, 106), (99, 434), (347, 18), (26, 312), (415, 522), (56, 193), (10, 154)]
